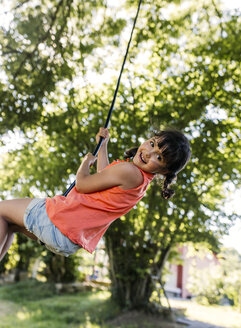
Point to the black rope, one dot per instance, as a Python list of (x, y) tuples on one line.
[(95, 152)]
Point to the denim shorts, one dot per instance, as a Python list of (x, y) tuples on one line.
[(36, 221)]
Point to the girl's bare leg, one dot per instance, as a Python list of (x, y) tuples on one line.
[(4, 233), (27, 233), (8, 240), (11, 233), (11, 220)]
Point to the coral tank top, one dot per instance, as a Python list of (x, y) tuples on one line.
[(84, 218)]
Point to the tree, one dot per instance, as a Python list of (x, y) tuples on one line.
[(183, 71)]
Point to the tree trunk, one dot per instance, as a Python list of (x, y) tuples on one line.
[(59, 268), (131, 269), (133, 295), (131, 284)]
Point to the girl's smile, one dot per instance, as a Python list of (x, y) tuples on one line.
[(142, 159)]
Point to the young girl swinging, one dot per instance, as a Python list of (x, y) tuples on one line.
[(65, 224)]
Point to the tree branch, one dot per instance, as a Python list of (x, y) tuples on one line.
[(41, 39)]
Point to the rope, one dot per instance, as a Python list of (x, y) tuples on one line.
[(95, 152)]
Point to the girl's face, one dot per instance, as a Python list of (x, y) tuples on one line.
[(149, 157)]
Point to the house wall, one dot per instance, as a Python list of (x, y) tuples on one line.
[(180, 274)]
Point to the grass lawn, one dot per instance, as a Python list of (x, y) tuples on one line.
[(36, 305)]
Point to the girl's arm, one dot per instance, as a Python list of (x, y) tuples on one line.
[(124, 175), (102, 159)]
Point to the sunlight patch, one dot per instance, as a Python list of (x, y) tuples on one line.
[(23, 315)]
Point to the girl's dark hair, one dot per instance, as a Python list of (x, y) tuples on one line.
[(176, 152)]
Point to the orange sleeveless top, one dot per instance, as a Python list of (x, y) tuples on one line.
[(84, 218)]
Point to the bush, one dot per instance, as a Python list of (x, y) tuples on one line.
[(218, 282)]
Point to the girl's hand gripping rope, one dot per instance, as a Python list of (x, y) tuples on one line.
[(104, 133)]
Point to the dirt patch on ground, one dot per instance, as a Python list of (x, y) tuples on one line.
[(6, 308), (139, 319)]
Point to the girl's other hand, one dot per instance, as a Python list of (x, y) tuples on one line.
[(103, 133)]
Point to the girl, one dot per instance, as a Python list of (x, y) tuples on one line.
[(65, 224)]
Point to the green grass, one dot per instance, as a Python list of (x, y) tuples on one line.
[(36, 305), (33, 304)]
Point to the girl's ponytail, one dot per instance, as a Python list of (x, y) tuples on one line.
[(166, 192)]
